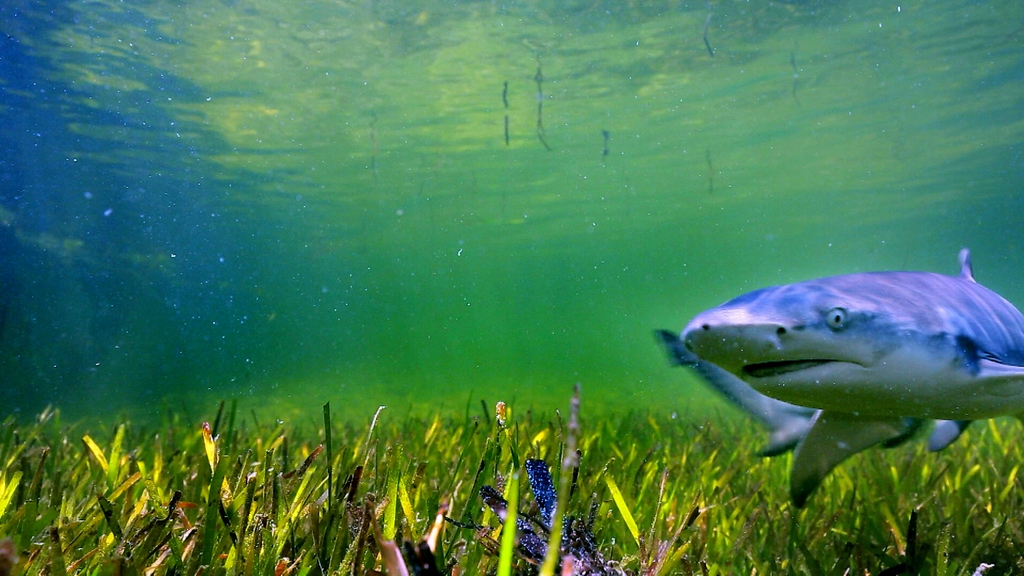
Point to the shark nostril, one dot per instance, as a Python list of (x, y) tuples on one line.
[(705, 327), (780, 330)]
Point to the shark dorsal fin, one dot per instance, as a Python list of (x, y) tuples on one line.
[(965, 265)]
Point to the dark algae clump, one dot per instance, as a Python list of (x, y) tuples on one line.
[(639, 494)]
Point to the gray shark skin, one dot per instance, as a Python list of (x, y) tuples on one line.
[(789, 425), (884, 344), (870, 351)]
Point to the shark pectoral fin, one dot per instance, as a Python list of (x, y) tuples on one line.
[(910, 427), (1001, 380), (782, 440), (834, 437), (945, 433), (992, 369)]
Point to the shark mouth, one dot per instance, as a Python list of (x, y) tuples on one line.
[(768, 369)]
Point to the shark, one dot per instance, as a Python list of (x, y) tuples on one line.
[(835, 365), (787, 423)]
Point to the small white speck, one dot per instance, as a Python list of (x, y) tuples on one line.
[(108, 211), (460, 252)]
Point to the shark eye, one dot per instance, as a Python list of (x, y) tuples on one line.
[(836, 318)]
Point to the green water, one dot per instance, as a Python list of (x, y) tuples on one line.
[(316, 202)]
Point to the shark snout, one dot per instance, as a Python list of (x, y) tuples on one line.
[(731, 344)]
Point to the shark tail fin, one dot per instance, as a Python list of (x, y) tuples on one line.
[(678, 355), (787, 424)]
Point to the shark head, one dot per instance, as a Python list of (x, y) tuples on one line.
[(880, 343), (781, 330)]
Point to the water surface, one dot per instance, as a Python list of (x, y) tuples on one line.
[(294, 203)]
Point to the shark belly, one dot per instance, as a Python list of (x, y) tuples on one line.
[(903, 383)]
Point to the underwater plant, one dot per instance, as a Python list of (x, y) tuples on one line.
[(634, 493)]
